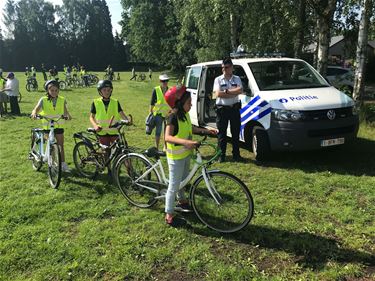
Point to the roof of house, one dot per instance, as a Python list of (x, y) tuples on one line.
[(334, 40), (371, 43)]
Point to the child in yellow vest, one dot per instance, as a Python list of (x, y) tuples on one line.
[(103, 109), (178, 136), (53, 105)]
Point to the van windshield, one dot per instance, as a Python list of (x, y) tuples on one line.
[(285, 75)]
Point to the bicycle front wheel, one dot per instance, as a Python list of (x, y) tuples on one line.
[(62, 85), (228, 207), (35, 153), (84, 160), (54, 166), (129, 169)]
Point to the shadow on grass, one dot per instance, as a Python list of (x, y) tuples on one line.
[(310, 250), (100, 184), (352, 159)]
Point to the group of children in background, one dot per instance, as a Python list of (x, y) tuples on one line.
[(178, 133)]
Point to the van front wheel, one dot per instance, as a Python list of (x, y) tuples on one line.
[(260, 144)]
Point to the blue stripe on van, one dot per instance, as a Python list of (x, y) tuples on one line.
[(254, 110)]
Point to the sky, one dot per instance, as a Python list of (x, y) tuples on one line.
[(114, 6)]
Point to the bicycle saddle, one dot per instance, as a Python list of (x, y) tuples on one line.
[(154, 152)]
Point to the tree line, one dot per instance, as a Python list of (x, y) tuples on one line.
[(176, 33), (78, 31), (173, 33)]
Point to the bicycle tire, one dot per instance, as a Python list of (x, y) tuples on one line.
[(28, 87), (36, 163), (236, 203), (19, 97), (62, 85), (54, 166), (128, 169), (85, 161)]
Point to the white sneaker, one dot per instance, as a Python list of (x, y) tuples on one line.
[(64, 167)]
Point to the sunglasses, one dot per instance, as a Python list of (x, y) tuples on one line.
[(226, 66), (164, 81)]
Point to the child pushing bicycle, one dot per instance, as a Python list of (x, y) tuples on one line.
[(53, 106), (179, 143)]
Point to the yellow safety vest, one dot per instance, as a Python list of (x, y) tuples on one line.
[(185, 131), (103, 117), (50, 111), (161, 106)]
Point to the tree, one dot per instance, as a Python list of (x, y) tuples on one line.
[(324, 10), (361, 51)]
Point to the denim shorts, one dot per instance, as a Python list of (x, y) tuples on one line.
[(158, 124)]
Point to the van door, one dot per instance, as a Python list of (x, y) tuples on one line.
[(207, 111), (192, 85)]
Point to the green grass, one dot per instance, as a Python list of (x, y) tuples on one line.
[(314, 213)]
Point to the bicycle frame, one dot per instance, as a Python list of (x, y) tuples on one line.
[(44, 155), (115, 148), (198, 162)]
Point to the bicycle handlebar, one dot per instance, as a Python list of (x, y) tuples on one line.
[(38, 116), (203, 142)]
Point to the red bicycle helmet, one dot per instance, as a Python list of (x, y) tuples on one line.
[(173, 94)]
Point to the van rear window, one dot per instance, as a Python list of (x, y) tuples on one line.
[(285, 75), (193, 79)]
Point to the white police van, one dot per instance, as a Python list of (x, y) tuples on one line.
[(286, 105)]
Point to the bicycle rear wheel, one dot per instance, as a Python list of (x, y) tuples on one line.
[(128, 170), (54, 166), (234, 207), (84, 160)]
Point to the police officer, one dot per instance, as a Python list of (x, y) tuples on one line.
[(227, 87), (159, 106)]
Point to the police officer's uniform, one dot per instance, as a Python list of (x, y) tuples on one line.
[(228, 109)]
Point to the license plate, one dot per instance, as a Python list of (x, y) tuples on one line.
[(332, 142)]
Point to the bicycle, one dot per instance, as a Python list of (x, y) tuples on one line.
[(141, 77), (220, 200), (48, 152), (31, 84), (89, 154)]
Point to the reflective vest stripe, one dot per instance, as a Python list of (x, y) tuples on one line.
[(177, 152)]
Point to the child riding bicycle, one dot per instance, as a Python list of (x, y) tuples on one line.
[(178, 136), (53, 106)]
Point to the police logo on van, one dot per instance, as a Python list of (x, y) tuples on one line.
[(285, 100)]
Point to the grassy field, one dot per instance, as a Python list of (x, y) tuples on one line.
[(314, 213)]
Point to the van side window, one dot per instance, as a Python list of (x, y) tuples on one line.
[(195, 74)]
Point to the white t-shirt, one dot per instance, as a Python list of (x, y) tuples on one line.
[(14, 86), (221, 84)]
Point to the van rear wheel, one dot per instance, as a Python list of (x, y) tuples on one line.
[(260, 144)]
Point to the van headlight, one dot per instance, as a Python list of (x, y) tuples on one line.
[(286, 115)]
